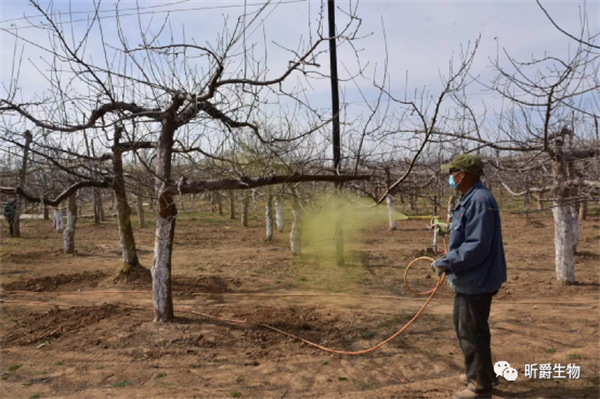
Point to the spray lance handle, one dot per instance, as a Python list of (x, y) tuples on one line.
[(442, 228)]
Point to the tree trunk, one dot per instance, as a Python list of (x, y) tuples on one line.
[(165, 228), (101, 208), (213, 202), (575, 216), (245, 204), (119, 195), (279, 215), (564, 237), (391, 212), (69, 234), (151, 202), (57, 220), (231, 205), (140, 210), (255, 206), (96, 206), (540, 201), (566, 221), (219, 204), (46, 212), (22, 184), (583, 209), (526, 201), (412, 199), (296, 232), (17, 220), (113, 202), (269, 217)]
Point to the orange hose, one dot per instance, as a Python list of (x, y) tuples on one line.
[(431, 260), (431, 293)]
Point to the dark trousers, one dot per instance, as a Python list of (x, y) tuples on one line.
[(470, 316)]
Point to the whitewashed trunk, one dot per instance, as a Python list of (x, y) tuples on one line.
[(296, 233), (269, 218), (391, 204), (69, 234), (165, 226), (564, 237), (279, 215), (435, 240), (575, 216), (161, 269), (57, 221)]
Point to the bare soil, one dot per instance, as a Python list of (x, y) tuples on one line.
[(74, 333)]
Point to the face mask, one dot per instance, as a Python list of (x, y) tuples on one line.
[(452, 182)]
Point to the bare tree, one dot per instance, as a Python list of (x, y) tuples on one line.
[(151, 92)]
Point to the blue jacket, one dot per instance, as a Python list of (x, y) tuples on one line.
[(475, 258)]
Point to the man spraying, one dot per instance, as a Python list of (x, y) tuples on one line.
[(10, 212), (476, 268)]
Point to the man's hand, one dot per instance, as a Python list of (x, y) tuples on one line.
[(442, 228), (438, 270)]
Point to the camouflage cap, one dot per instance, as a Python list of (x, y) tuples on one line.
[(468, 163)]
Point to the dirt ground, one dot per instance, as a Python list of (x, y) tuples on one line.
[(97, 344)]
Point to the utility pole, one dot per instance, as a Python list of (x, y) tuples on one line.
[(335, 98), (335, 111)]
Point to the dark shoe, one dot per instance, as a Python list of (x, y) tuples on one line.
[(463, 380), (468, 394)]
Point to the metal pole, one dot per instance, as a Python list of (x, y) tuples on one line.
[(335, 111), (335, 100)]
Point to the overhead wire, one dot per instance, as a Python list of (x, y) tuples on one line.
[(117, 14)]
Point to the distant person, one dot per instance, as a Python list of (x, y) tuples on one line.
[(10, 213), (476, 269)]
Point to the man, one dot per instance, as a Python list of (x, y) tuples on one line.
[(476, 268), (10, 212)]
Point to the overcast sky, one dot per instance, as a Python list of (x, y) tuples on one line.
[(422, 36)]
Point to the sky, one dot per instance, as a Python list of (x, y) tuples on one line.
[(420, 37)]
